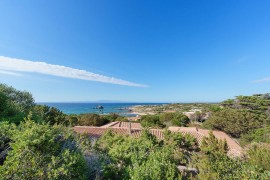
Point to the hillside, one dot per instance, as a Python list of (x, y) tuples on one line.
[(41, 142)]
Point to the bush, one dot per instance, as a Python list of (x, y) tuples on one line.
[(213, 163), (14, 104), (144, 157), (122, 119), (51, 115), (111, 117), (6, 131), (19, 100), (257, 135), (43, 152), (175, 119), (151, 121), (92, 120), (259, 155)]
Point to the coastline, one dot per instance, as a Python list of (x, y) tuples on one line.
[(124, 109)]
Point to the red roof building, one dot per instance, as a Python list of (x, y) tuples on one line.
[(135, 130)]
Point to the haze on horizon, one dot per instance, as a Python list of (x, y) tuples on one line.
[(135, 51)]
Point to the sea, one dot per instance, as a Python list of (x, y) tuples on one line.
[(83, 108)]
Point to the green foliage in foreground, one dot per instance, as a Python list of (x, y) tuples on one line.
[(144, 157), (257, 135), (46, 149), (213, 162), (42, 152), (6, 131), (259, 155)]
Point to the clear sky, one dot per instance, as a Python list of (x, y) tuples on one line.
[(132, 50)]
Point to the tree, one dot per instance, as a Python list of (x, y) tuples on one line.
[(3, 104), (15, 105), (166, 117), (23, 101), (151, 121), (235, 121), (51, 115), (259, 103), (180, 120), (175, 119)]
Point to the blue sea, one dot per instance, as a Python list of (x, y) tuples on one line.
[(82, 108)]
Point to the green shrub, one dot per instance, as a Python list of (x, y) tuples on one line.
[(259, 155), (43, 152), (51, 115), (151, 121), (92, 120), (175, 119), (257, 135), (144, 157)]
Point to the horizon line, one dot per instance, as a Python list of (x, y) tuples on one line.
[(192, 102)]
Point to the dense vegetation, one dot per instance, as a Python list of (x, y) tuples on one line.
[(164, 120), (213, 162), (41, 152), (37, 142), (245, 117), (15, 105), (145, 157)]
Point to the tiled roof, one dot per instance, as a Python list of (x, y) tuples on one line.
[(234, 148), (123, 125), (123, 128), (96, 132)]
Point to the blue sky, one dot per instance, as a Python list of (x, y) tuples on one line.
[(165, 51)]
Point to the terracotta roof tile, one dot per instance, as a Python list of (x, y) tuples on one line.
[(122, 128), (123, 124), (234, 148)]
